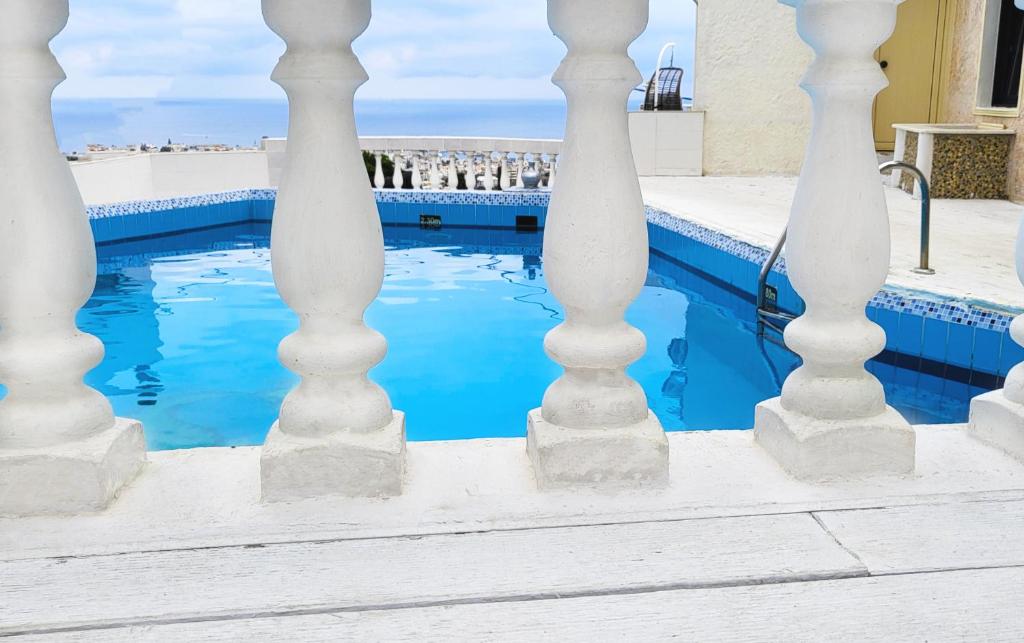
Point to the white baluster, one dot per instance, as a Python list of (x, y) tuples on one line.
[(417, 176), (488, 179), (594, 426), (61, 449), (435, 173), (378, 174), (396, 174), (519, 170), (470, 171), (832, 420), (506, 174), (453, 172), (997, 417), (551, 173), (337, 434), (537, 168)]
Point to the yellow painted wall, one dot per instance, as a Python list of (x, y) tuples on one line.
[(912, 59)]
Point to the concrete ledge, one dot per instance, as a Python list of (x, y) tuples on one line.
[(211, 497), (562, 457), (72, 478), (354, 465), (816, 450), (998, 422)]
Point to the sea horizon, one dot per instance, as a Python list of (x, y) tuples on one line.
[(243, 122)]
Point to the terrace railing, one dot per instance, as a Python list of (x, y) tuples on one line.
[(440, 163), (62, 450), (451, 163)]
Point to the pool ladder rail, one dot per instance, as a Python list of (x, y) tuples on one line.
[(771, 317)]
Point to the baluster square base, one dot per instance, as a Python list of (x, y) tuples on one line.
[(349, 464), (819, 450), (998, 422), (564, 457), (75, 477)]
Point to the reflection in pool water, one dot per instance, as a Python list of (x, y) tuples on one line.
[(192, 321)]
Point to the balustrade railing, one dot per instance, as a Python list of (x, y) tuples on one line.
[(61, 449), (450, 163), (443, 163)]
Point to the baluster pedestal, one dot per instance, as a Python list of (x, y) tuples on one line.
[(832, 420)]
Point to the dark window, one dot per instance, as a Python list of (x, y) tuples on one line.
[(1009, 52)]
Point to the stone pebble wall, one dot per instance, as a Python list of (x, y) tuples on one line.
[(971, 167), (958, 105), (964, 167)]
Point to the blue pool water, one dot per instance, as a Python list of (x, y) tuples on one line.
[(191, 323)]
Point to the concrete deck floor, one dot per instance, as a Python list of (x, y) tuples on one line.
[(972, 241), (732, 550)]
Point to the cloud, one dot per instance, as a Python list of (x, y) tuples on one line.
[(412, 49), (229, 13)]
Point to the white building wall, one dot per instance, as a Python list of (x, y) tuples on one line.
[(667, 143), (748, 68), (122, 178), (167, 175), (202, 173), (275, 149)]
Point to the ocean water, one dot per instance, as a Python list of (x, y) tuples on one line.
[(244, 122)]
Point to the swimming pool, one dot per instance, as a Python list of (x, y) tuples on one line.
[(191, 322)]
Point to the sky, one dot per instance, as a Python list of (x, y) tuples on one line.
[(414, 49)]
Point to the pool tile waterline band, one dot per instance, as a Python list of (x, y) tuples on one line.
[(831, 420)]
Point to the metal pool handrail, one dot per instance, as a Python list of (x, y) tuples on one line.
[(926, 209), (771, 317)]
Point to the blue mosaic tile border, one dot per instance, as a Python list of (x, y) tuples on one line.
[(177, 203), (937, 306), (515, 197), (917, 324)]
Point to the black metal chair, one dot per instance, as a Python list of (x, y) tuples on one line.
[(663, 90)]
